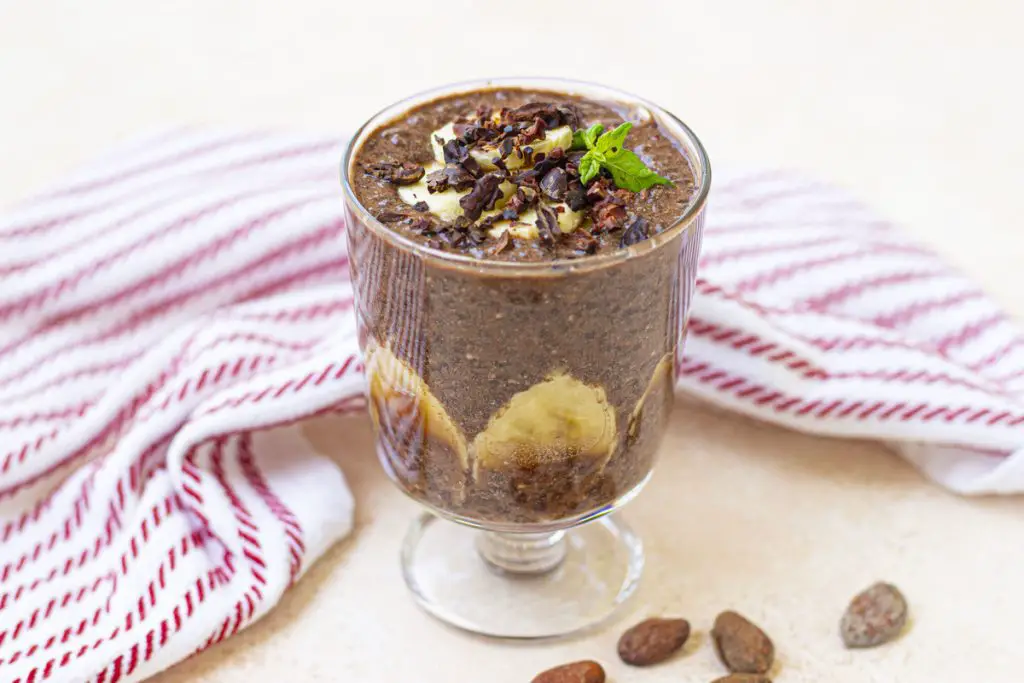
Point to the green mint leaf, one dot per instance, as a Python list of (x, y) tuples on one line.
[(630, 172), (589, 167), (612, 141), (578, 141), (607, 150), (585, 139)]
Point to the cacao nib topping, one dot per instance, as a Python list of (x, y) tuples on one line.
[(500, 163), (609, 216), (555, 158), (555, 184), (471, 132), (598, 190), (461, 223), (449, 237), (570, 115), (523, 198), (505, 148), (576, 196), (547, 225), (485, 193), (572, 163), (405, 173), (527, 154), (582, 242), (421, 206), (552, 115), (533, 110), (450, 177), (526, 178), (534, 132), (503, 243), (635, 232), (456, 152), (423, 226), (390, 216), (476, 235)]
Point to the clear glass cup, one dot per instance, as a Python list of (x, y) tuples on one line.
[(521, 403)]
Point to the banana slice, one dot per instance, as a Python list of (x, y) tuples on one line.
[(525, 226), (445, 205), (556, 137), (660, 378), (401, 402), (548, 423)]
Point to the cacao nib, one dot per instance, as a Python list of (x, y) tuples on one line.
[(405, 173), (572, 163), (503, 242), (390, 216), (500, 163), (570, 115), (555, 158), (485, 193), (554, 184), (576, 196), (523, 198), (421, 206), (528, 177), (471, 132), (455, 152), (421, 225), (547, 224), (598, 189), (461, 223), (582, 242), (609, 216), (534, 132), (636, 231), (527, 154), (547, 111), (450, 177), (476, 234)]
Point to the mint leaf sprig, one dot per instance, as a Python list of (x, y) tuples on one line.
[(606, 150)]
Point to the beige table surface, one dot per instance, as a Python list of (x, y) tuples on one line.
[(915, 105)]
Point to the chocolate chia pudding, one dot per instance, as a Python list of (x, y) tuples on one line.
[(523, 260)]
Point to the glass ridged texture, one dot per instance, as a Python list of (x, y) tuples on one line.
[(520, 398)]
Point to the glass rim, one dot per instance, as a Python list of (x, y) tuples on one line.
[(696, 154)]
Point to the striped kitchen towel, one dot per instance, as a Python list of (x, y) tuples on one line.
[(164, 306)]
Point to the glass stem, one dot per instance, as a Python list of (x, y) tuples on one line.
[(523, 554)]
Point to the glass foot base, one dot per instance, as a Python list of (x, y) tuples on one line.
[(522, 586)]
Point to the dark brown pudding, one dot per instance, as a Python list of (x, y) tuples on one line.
[(521, 332)]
